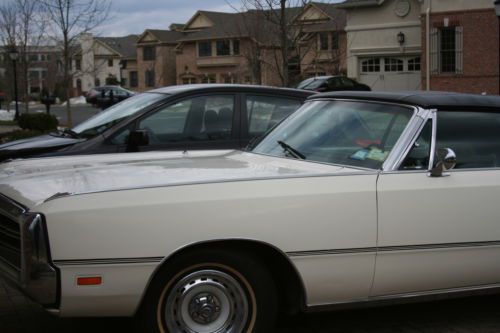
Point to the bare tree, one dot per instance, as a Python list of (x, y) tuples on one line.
[(69, 19), (283, 35)]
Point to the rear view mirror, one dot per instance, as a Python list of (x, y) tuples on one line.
[(138, 138), (446, 159)]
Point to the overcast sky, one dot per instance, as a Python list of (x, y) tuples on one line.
[(134, 16)]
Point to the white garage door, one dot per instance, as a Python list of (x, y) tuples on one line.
[(391, 73)]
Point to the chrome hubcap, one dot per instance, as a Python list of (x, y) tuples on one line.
[(206, 301), (204, 308)]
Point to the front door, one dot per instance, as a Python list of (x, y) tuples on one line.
[(438, 233)]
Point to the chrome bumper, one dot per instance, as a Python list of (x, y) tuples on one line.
[(24, 253)]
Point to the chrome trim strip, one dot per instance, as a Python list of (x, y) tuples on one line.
[(432, 152), (113, 261), (393, 248), (337, 174), (407, 297)]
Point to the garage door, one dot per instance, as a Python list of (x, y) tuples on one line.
[(391, 73)]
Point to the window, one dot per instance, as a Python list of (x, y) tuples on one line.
[(323, 41), (194, 119), (150, 78), (359, 134), (33, 57), (335, 40), (148, 53), (78, 64), (370, 65), (134, 81), (208, 78), (393, 65), (473, 136), (446, 50), (205, 49), (189, 80), (236, 47), (33, 75), (97, 82), (414, 64), (264, 112), (48, 57), (44, 73), (223, 47), (79, 85), (110, 62)]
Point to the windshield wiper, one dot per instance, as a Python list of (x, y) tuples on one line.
[(71, 133), (292, 151)]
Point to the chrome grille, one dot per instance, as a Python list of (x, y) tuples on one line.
[(10, 242)]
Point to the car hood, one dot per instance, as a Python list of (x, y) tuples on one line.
[(31, 182), (34, 145)]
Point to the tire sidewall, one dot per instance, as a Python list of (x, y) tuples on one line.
[(253, 277)]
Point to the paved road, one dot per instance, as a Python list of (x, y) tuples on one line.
[(471, 315)]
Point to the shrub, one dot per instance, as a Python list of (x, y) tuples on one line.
[(38, 122)]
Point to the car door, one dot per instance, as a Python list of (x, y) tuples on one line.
[(440, 233), (195, 122), (263, 112)]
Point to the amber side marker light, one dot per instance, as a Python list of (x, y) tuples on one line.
[(89, 281)]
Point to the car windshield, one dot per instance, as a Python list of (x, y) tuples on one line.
[(311, 83), (111, 116), (356, 134)]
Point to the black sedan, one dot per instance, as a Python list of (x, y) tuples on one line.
[(100, 96), (331, 83), (174, 118)]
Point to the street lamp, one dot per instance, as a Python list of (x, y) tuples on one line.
[(14, 55), (497, 11)]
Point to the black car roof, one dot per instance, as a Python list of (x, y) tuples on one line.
[(230, 87), (424, 99)]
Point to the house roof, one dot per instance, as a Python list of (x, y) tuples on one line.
[(359, 3), (164, 36), (253, 23), (125, 46)]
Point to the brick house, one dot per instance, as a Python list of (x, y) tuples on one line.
[(463, 41), (387, 44), (325, 23), (43, 71), (241, 48), (156, 58)]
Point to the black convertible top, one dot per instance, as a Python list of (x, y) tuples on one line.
[(424, 99)]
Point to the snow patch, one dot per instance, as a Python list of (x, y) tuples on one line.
[(76, 100), (7, 115)]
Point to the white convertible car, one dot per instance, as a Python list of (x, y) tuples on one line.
[(356, 198)]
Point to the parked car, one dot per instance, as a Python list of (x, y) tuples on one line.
[(356, 198), (331, 83), (179, 117), (100, 95)]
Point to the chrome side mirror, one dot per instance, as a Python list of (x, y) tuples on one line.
[(446, 159)]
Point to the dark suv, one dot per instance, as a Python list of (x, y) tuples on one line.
[(184, 117), (331, 83)]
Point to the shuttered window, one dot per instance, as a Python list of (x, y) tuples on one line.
[(446, 50)]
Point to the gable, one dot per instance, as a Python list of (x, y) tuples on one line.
[(103, 50), (147, 37), (198, 21), (312, 13)]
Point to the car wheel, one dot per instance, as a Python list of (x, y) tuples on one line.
[(210, 291)]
